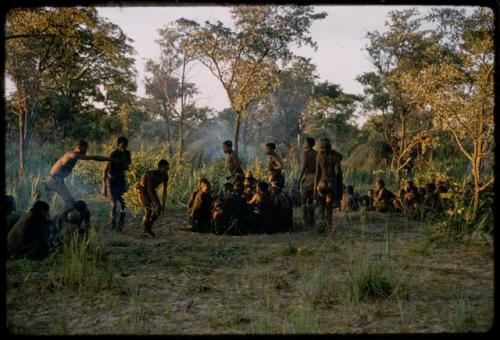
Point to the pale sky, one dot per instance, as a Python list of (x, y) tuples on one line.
[(340, 56)]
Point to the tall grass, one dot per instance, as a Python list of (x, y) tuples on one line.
[(81, 264)]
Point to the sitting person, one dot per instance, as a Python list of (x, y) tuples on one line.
[(218, 205), (249, 185), (30, 235), (200, 210), (384, 198), (349, 200), (366, 201), (407, 199), (262, 207), (75, 220), (283, 208), (235, 212), (11, 216), (191, 201), (431, 197)]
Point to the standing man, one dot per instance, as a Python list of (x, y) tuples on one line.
[(115, 184), (148, 196), (63, 168), (306, 180), (328, 181), (275, 165), (232, 162)]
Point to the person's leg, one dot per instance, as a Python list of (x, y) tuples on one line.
[(112, 213), (329, 212), (309, 205), (59, 187), (121, 220)]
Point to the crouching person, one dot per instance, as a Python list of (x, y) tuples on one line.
[(146, 187), (71, 222), (30, 235), (201, 208)]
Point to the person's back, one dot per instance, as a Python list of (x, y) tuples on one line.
[(284, 210), (236, 210), (30, 235), (200, 212)]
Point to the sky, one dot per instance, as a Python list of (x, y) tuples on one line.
[(341, 39)]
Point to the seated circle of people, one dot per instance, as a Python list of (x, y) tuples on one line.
[(146, 187), (29, 237)]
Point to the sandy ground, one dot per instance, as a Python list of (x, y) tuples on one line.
[(187, 283)]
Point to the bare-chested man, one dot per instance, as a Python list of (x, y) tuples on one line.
[(232, 162), (306, 180), (328, 181), (146, 187), (63, 168), (275, 165)]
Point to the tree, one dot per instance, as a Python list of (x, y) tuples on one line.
[(330, 114), (174, 54), (458, 87), (245, 59), (62, 61), (403, 48)]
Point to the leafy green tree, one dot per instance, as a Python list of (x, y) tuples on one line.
[(404, 47), (62, 61), (331, 114), (245, 59), (458, 87)]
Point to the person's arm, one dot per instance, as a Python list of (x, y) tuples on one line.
[(277, 163), (94, 158)]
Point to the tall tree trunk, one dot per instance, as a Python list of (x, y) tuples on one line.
[(237, 132), (181, 115), (167, 121), (21, 125)]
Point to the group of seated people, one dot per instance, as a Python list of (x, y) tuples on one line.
[(34, 234), (408, 200), (245, 206)]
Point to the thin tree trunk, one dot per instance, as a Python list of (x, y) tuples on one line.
[(237, 133), (181, 115), (21, 125), (167, 121)]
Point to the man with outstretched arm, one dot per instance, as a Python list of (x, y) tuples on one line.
[(63, 168)]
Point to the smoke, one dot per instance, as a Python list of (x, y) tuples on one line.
[(205, 143)]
